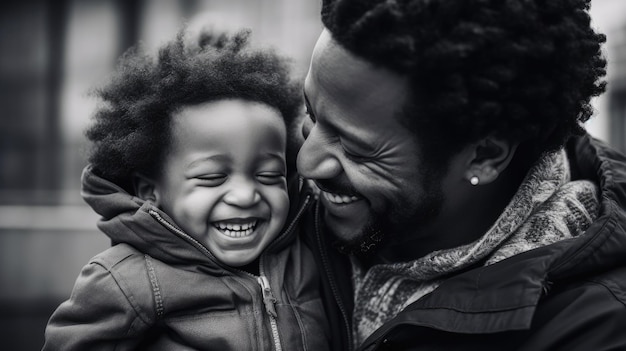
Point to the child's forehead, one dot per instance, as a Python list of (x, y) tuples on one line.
[(226, 111), (237, 129)]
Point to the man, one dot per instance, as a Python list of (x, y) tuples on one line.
[(461, 204)]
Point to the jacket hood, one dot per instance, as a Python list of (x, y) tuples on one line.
[(128, 219)]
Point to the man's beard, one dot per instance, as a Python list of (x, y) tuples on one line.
[(388, 224), (364, 243)]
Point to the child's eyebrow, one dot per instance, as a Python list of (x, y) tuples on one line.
[(272, 158), (279, 156), (216, 158)]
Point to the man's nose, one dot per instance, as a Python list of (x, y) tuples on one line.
[(243, 193), (315, 159)]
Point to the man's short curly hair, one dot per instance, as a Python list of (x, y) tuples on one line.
[(524, 70), (131, 131)]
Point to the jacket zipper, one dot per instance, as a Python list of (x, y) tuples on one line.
[(331, 279), (269, 300), (182, 234)]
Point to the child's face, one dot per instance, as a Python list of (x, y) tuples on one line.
[(223, 181)]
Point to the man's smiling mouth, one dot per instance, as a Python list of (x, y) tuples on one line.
[(336, 198), (236, 229), (339, 199)]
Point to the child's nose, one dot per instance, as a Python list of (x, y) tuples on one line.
[(243, 194)]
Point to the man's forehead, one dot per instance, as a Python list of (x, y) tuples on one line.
[(329, 58), (342, 75)]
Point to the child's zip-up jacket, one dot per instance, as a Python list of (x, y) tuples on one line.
[(157, 288)]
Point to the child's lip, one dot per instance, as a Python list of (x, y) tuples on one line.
[(239, 220)]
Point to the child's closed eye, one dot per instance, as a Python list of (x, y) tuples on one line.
[(270, 178), (212, 179)]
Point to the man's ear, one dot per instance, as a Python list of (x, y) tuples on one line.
[(145, 188), (490, 157)]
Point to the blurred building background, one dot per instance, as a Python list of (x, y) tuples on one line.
[(53, 52)]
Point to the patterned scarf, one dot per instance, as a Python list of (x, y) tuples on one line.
[(547, 207)]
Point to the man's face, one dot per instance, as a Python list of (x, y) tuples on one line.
[(364, 160)]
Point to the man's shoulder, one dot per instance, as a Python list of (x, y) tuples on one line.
[(583, 314), (607, 289), (587, 314), (613, 282)]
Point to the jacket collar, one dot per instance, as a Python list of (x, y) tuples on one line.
[(128, 219)]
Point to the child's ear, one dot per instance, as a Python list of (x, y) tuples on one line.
[(145, 188)]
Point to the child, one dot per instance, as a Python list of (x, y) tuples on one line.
[(188, 171)]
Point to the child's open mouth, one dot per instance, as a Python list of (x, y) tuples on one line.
[(236, 229)]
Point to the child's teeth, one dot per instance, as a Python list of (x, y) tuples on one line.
[(236, 230)]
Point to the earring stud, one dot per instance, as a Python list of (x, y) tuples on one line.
[(474, 180)]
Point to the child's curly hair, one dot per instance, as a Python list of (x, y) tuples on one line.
[(524, 70), (132, 128)]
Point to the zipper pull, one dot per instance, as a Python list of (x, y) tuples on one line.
[(268, 299)]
